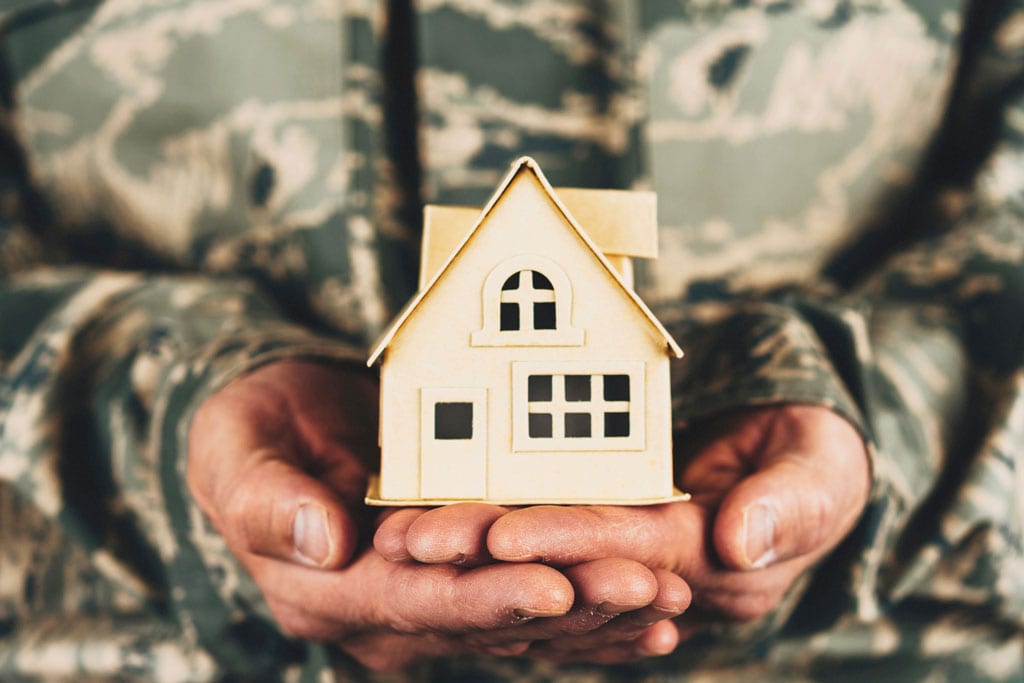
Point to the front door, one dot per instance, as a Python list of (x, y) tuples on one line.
[(453, 443)]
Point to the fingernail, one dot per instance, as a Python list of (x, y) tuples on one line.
[(311, 535), (613, 609), (759, 522)]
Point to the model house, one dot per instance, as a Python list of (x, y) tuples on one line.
[(526, 369)]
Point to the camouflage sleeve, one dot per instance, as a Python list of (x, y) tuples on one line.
[(101, 372), (919, 338), (108, 567)]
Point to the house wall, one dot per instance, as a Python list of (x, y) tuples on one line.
[(433, 350)]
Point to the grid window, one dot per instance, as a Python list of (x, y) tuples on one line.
[(527, 302), (577, 406), (453, 421)]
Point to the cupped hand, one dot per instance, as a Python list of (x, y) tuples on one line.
[(775, 489), (622, 608), (278, 462)]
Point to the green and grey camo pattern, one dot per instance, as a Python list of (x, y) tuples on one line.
[(189, 189)]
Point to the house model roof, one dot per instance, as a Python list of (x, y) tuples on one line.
[(619, 222), (604, 208)]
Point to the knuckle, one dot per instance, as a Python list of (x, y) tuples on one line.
[(818, 516), (236, 514)]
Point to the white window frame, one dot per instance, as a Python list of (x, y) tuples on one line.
[(491, 333), (522, 442)]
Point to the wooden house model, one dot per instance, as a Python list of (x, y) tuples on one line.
[(526, 369)]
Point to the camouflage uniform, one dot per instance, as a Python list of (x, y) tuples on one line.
[(193, 188)]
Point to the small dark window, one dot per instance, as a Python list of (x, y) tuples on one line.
[(509, 316), (544, 315), (511, 283), (577, 425), (540, 426), (577, 387), (540, 282), (539, 388), (453, 421), (616, 387), (616, 424)]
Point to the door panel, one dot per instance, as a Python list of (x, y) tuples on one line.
[(453, 443)]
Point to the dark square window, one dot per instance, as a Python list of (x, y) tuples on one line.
[(616, 387), (540, 282), (539, 388), (540, 425), (616, 424), (509, 316), (511, 283), (453, 421), (577, 425), (544, 315), (577, 387)]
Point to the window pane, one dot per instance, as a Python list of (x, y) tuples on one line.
[(540, 282), (511, 283), (577, 425), (453, 421), (616, 424), (540, 426), (616, 387), (509, 316), (544, 315), (577, 387), (539, 388)]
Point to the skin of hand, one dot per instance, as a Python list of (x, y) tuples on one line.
[(622, 612), (278, 461), (774, 490)]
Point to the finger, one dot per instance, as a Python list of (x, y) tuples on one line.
[(672, 599), (412, 598), (716, 468), (800, 502), (455, 534), (613, 585), (605, 589), (576, 622), (276, 510), (244, 470), (658, 640), (389, 539), (666, 536)]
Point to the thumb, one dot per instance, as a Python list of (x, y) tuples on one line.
[(786, 510), (274, 509)]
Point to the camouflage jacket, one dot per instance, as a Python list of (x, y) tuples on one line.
[(191, 188)]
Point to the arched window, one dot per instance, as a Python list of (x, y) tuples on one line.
[(527, 301)]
